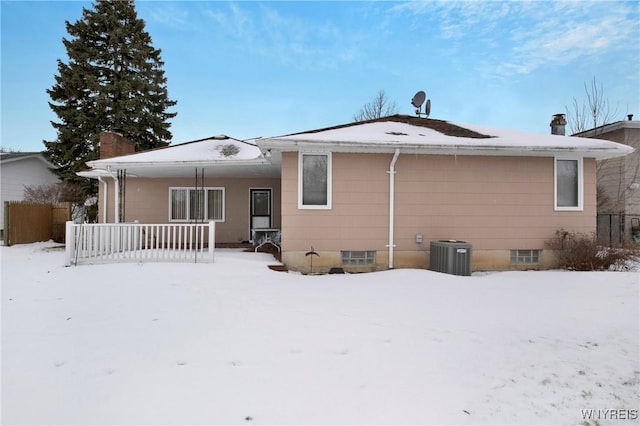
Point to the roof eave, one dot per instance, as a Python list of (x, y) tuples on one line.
[(608, 128), (106, 165), (441, 149)]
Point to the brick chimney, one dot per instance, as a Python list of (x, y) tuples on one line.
[(557, 124), (113, 144)]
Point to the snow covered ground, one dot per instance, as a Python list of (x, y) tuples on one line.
[(237, 343)]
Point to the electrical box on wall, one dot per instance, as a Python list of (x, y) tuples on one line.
[(419, 238)]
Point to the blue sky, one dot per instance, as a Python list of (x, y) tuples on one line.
[(250, 69)]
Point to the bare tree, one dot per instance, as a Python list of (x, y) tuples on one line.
[(593, 112), (61, 192), (380, 106), (8, 150), (45, 193)]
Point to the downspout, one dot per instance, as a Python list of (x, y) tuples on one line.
[(106, 196), (392, 173), (116, 195)]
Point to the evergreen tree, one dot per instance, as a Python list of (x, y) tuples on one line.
[(113, 80)]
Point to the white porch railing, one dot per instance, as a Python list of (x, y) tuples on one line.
[(136, 242)]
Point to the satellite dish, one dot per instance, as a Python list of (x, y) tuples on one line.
[(427, 108), (418, 99)]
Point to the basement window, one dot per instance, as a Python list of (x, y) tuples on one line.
[(358, 257), (189, 204), (520, 256)]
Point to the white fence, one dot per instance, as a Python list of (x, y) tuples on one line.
[(136, 242)]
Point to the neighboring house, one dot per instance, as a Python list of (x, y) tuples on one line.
[(619, 183), (372, 195), (19, 170)]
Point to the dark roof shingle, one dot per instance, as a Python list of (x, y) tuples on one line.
[(441, 126)]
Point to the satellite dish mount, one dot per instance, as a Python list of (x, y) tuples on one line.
[(418, 100)]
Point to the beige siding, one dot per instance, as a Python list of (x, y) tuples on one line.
[(495, 203), (147, 201), (359, 215)]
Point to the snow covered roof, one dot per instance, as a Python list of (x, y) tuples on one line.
[(429, 136), (229, 157), (218, 155)]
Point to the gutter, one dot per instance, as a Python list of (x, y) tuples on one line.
[(392, 173), (116, 195), (542, 150), (106, 193), (100, 164)]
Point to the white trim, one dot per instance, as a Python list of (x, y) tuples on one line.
[(580, 206), (191, 188), (103, 164), (137, 242), (392, 190), (116, 195), (327, 206), (105, 191)]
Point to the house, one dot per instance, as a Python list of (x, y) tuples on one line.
[(618, 183), (19, 170), (371, 195)]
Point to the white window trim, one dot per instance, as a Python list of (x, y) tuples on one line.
[(580, 206), (224, 203), (329, 179)]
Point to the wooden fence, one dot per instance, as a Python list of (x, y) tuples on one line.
[(135, 242), (26, 222), (611, 229)]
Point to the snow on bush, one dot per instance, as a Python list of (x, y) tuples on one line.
[(581, 252)]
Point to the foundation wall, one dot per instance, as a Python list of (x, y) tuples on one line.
[(481, 260)]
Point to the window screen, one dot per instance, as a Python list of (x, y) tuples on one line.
[(567, 181), (314, 179)]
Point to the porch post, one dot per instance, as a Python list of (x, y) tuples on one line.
[(212, 239), (69, 243)]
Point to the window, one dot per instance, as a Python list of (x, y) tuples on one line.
[(188, 204), (358, 257), (568, 184), (525, 256), (314, 181)]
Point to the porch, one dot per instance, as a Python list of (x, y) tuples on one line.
[(135, 242), (219, 179)]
